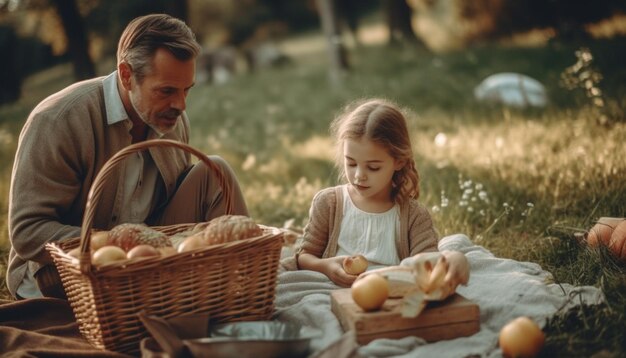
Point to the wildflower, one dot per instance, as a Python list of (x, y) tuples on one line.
[(441, 139)]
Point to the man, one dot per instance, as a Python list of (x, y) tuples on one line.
[(70, 135)]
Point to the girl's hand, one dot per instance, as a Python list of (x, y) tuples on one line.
[(458, 269), (333, 268), (439, 273)]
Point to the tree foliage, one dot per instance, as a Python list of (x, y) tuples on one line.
[(567, 17)]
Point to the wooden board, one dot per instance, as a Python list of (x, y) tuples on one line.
[(455, 317)]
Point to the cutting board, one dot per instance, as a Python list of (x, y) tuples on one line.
[(454, 317)]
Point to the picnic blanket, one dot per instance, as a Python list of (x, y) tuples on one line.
[(503, 288)]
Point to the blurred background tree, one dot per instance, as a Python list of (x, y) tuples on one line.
[(76, 36), (42, 33), (462, 23)]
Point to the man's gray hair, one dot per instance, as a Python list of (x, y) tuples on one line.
[(146, 34)]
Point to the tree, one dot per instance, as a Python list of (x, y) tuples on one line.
[(398, 15), (336, 51), (78, 45), (10, 81)]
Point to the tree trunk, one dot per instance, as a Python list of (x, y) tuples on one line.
[(10, 77), (336, 50), (178, 8), (78, 45), (398, 14)]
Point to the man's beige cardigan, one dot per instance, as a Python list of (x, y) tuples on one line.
[(63, 145), (321, 234)]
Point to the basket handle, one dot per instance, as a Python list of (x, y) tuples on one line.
[(107, 169)]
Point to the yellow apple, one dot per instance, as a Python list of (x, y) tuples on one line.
[(192, 243), (142, 251), (521, 337), (98, 240), (355, 264), (370, 292), (75, 252), (167, 251), (108, 254)]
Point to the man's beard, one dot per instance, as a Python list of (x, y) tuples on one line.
[(145, 117)]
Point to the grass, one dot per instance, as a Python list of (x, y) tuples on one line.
[(519, 182)]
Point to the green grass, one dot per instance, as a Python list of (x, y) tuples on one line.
[(519, 182)]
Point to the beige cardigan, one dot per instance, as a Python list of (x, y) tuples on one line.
[(64, 143), (321, 234)]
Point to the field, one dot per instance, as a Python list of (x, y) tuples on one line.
[(521, 183)]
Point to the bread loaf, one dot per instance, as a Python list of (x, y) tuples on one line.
[(228, 228), (130, 235)]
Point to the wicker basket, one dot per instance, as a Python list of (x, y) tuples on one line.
[(231, 282)]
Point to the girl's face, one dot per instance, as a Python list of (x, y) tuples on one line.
[(369, 169)]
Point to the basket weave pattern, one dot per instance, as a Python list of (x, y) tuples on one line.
[(234, 281)]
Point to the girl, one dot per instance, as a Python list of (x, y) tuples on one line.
[(376, 212)]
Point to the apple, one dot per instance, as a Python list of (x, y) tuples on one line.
[(142, 250), (167, 251), (355, 264), (99, 239), (108, 254), (521, 337), (370, 292), (192, 243), (75, 252)]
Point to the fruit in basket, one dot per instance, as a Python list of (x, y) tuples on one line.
[(98, 239), (370, 292), (75, 253), (228, 228), (167, 251), (143, 250), (108, 254), (129, 235), (355, 264), (191, 243)]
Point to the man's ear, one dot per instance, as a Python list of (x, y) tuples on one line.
[(125, 72)]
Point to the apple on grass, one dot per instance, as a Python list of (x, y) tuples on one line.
[(355, 264)]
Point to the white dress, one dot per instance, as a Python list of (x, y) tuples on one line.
[(369, 234)]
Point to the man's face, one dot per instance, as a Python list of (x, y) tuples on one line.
[(160, 98)]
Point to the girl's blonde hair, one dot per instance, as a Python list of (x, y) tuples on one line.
[(384, 123)]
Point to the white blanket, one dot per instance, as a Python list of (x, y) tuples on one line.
[(503, 289)]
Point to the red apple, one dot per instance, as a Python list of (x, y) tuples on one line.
[(355, 264)]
